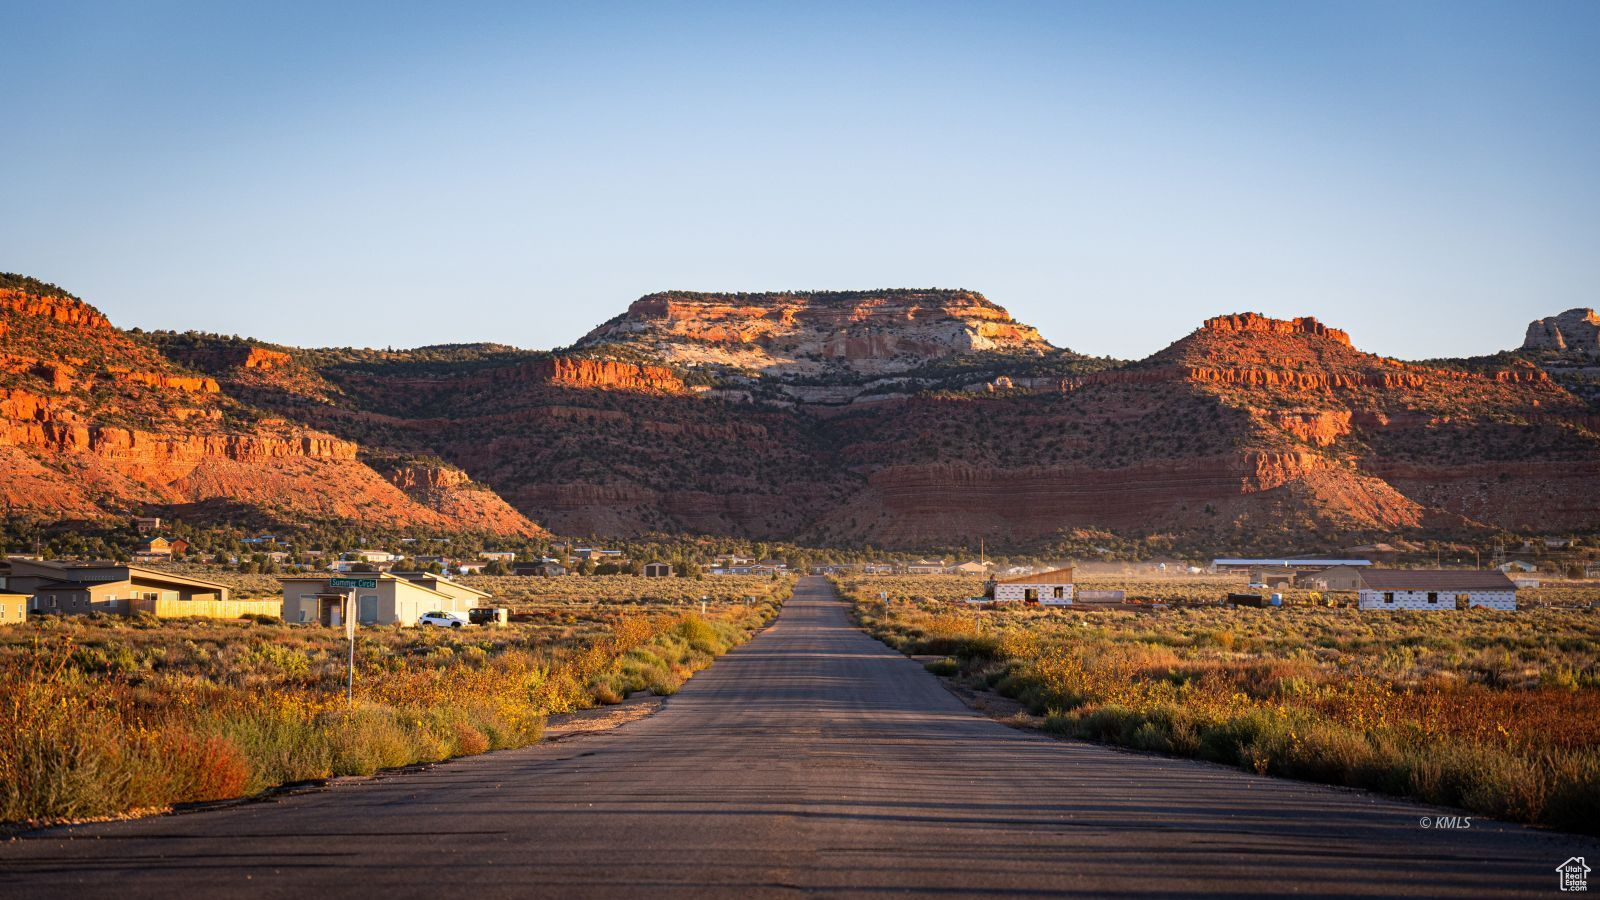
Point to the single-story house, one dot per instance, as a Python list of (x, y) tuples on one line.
[(147, 524), (1273, 579), (310, 599), (657, 570), (469, 567), (13, 608), (1231, 564), (372, 556), (1052, 588), (926, 567), (541, 569), (1592, 570), (156, 546), (1517, 565), (1334, 578), (1436, 589), (505, 556), (59, 586), (970, 568)]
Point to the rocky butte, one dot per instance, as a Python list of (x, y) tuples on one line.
[(1576, 331), (901, 418), (867, 332)]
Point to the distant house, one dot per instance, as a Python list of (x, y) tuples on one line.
[(1592, 570), (1558, 543), (1435, 589), (731, 560), (68, 587), (469, 567), (970, 568), (372, 556), (877, 569), (504, 556), (1233, 564), (657, 570), (156, 546), (926, 567), (544, 568), (1273, 579), (1052, 588), (1334, 578), (13, 608), (1517, 565), (147, 524), (310, 599)]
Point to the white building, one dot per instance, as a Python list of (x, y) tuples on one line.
[(1053, 588), (926, 567), (311, 599), (1435, 589)]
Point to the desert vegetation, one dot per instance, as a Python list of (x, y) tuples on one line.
[(103, 716), (1492, 712)]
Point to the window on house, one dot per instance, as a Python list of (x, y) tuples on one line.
[(1433, 596), (1388, 596), (1031, 595), (1060, 593)]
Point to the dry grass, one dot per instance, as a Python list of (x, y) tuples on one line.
[(1495, 712), (103, 715)]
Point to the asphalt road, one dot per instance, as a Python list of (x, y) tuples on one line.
[(811, 760)]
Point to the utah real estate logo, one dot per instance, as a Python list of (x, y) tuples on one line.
[(1574, 874)]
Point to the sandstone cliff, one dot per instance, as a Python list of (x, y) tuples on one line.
[(95, 423), (897, 418), (867, 332), (1575, 331)]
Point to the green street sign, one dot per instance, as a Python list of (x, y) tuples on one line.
[(353, 582)]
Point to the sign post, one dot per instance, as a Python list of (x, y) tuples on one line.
[(349, 613), (350, 632)]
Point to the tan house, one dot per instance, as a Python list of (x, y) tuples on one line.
[(310, 599), (156, 546), (1333, 578), (13, 608), (970, 568), (926, 567), (83, 587)]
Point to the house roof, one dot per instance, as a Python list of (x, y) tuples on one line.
[(77, 585), (1289, 563), (1054, 576), (381, 576), (420, 577), (1435, 580)]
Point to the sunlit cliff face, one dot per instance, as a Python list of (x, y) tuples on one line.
[(868, 332)]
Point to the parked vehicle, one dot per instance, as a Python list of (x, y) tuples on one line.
[(487, 615), (441, 620)]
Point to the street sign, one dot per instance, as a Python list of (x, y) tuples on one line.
[(368, 583)]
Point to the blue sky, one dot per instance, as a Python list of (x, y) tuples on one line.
[(1420, 174)]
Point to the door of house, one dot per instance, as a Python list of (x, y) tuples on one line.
[(328, 609)]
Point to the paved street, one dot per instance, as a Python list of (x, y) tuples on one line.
[(811, 760)]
